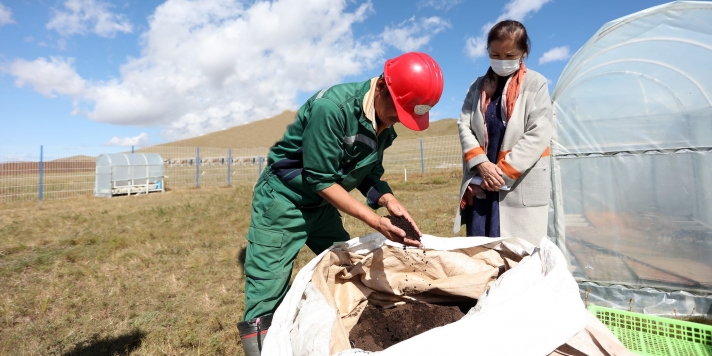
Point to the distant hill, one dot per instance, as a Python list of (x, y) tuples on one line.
[(260, 133), (442, 127), (75, 159), (265, 132)]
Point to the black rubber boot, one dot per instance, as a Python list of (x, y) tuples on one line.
[(253, 332)]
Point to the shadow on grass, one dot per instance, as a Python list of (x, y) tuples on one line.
[(121, 345), (241, 255)]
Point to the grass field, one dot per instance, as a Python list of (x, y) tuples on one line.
[(154, 274), (25, 187)]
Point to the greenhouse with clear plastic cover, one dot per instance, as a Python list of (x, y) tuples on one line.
[(126, 174), (632, 158)]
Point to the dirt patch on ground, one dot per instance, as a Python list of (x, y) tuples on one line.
[(378, 328)]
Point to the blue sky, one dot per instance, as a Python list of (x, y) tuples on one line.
[(96, 73)]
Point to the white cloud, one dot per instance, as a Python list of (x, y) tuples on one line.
[(439, 4), (476, 46), (56, 76), (517, 10), (207, 65), (5, 15), (140, 140), (555, 54), (412, 34), (83, 16)]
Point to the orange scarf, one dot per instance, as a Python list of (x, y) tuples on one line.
[(511, 94)]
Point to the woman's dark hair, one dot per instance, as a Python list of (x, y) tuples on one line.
[(510, 29), (504, 30)]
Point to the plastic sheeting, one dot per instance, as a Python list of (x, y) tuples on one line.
[(641, 82), (646, 300), (633, 154)]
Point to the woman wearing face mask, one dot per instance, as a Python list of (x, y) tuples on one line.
[(505, 129)]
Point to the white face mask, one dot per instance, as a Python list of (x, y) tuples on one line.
[(504, 67)]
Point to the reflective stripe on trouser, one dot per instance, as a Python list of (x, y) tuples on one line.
[(278, 230)]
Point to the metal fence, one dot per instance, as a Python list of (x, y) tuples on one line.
[(43, 173)]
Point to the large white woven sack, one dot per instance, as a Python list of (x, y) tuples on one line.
[(531, 309)]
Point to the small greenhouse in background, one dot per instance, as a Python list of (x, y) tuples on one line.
[(123, 174), (632, 158)]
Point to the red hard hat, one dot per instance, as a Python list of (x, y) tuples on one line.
[(415, 82)]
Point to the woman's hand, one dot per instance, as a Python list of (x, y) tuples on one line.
[(472, 191), (491, 176)]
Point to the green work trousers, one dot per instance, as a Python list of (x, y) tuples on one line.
[(278, 230)]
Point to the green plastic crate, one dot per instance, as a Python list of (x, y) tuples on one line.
[(653, 335)]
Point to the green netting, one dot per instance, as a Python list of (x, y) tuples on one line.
[(653, 335)]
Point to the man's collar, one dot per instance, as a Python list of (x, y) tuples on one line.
[(369, 109)]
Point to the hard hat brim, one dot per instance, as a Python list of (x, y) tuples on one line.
[(412, 121)]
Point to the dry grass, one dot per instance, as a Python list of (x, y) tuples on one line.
[(147, 275)]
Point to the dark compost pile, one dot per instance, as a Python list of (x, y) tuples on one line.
[(378, 328)]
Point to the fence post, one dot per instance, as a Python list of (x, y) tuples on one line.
[(197, 167), (259, 172), (229, 163), (132, 149), (41, 172), (422, 157)]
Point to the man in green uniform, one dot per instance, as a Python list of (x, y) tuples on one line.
[(335, 144)]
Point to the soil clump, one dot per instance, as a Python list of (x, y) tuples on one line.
[(379, 328), (403, 223)]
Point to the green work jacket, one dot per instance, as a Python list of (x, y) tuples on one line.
[(331, 142)]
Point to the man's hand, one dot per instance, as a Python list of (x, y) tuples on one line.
[(491, 176), (395, 208), (394, 233), (342, 200)]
